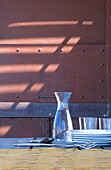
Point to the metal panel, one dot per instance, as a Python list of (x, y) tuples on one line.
[(48, 46), (41, 53), (82, 71), (82, 19), (24, 127)]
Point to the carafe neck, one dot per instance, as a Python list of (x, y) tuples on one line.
[(62, 99)]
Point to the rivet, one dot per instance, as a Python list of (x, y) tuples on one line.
[(18, 49), (102, 64), (109, 50), (101, 80), (40, 49), (101, 50), (81, 97), (16, 97), (109, 1), (83, 50), (50, 114), (109, 25), (61, 50)]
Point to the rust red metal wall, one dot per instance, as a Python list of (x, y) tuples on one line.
[(47, 46), (24, 127)]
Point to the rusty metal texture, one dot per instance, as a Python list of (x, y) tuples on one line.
[(109, 49), (25, 21), (24, 127), (27, 77), (48, 46)]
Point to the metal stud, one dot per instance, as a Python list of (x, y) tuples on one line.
[(101, 80), (102, 64), (83, 50), (82, 97), (101, 50), (61, 50), (109, 25), (101, 97), (17, 97), (18, 49), (39, 50)]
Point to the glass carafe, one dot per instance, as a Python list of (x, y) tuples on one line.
[(62, 121)]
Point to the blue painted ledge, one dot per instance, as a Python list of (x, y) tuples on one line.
[(10, 109)]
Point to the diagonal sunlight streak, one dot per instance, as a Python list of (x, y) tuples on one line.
[(87, 22), (14, 88), (36, 87), (73, 40), (38, 40), (42, 23), (27, 68), (20, 68), (52, 68), (5, 129)]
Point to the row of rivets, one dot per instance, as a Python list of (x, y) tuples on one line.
[(82, 97), (18, 50), (101, 80), (61, 50)]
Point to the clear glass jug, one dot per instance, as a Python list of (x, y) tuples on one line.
[(62, 121)]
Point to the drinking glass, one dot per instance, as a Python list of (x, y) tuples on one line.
[(105, 123), (87, 123)]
